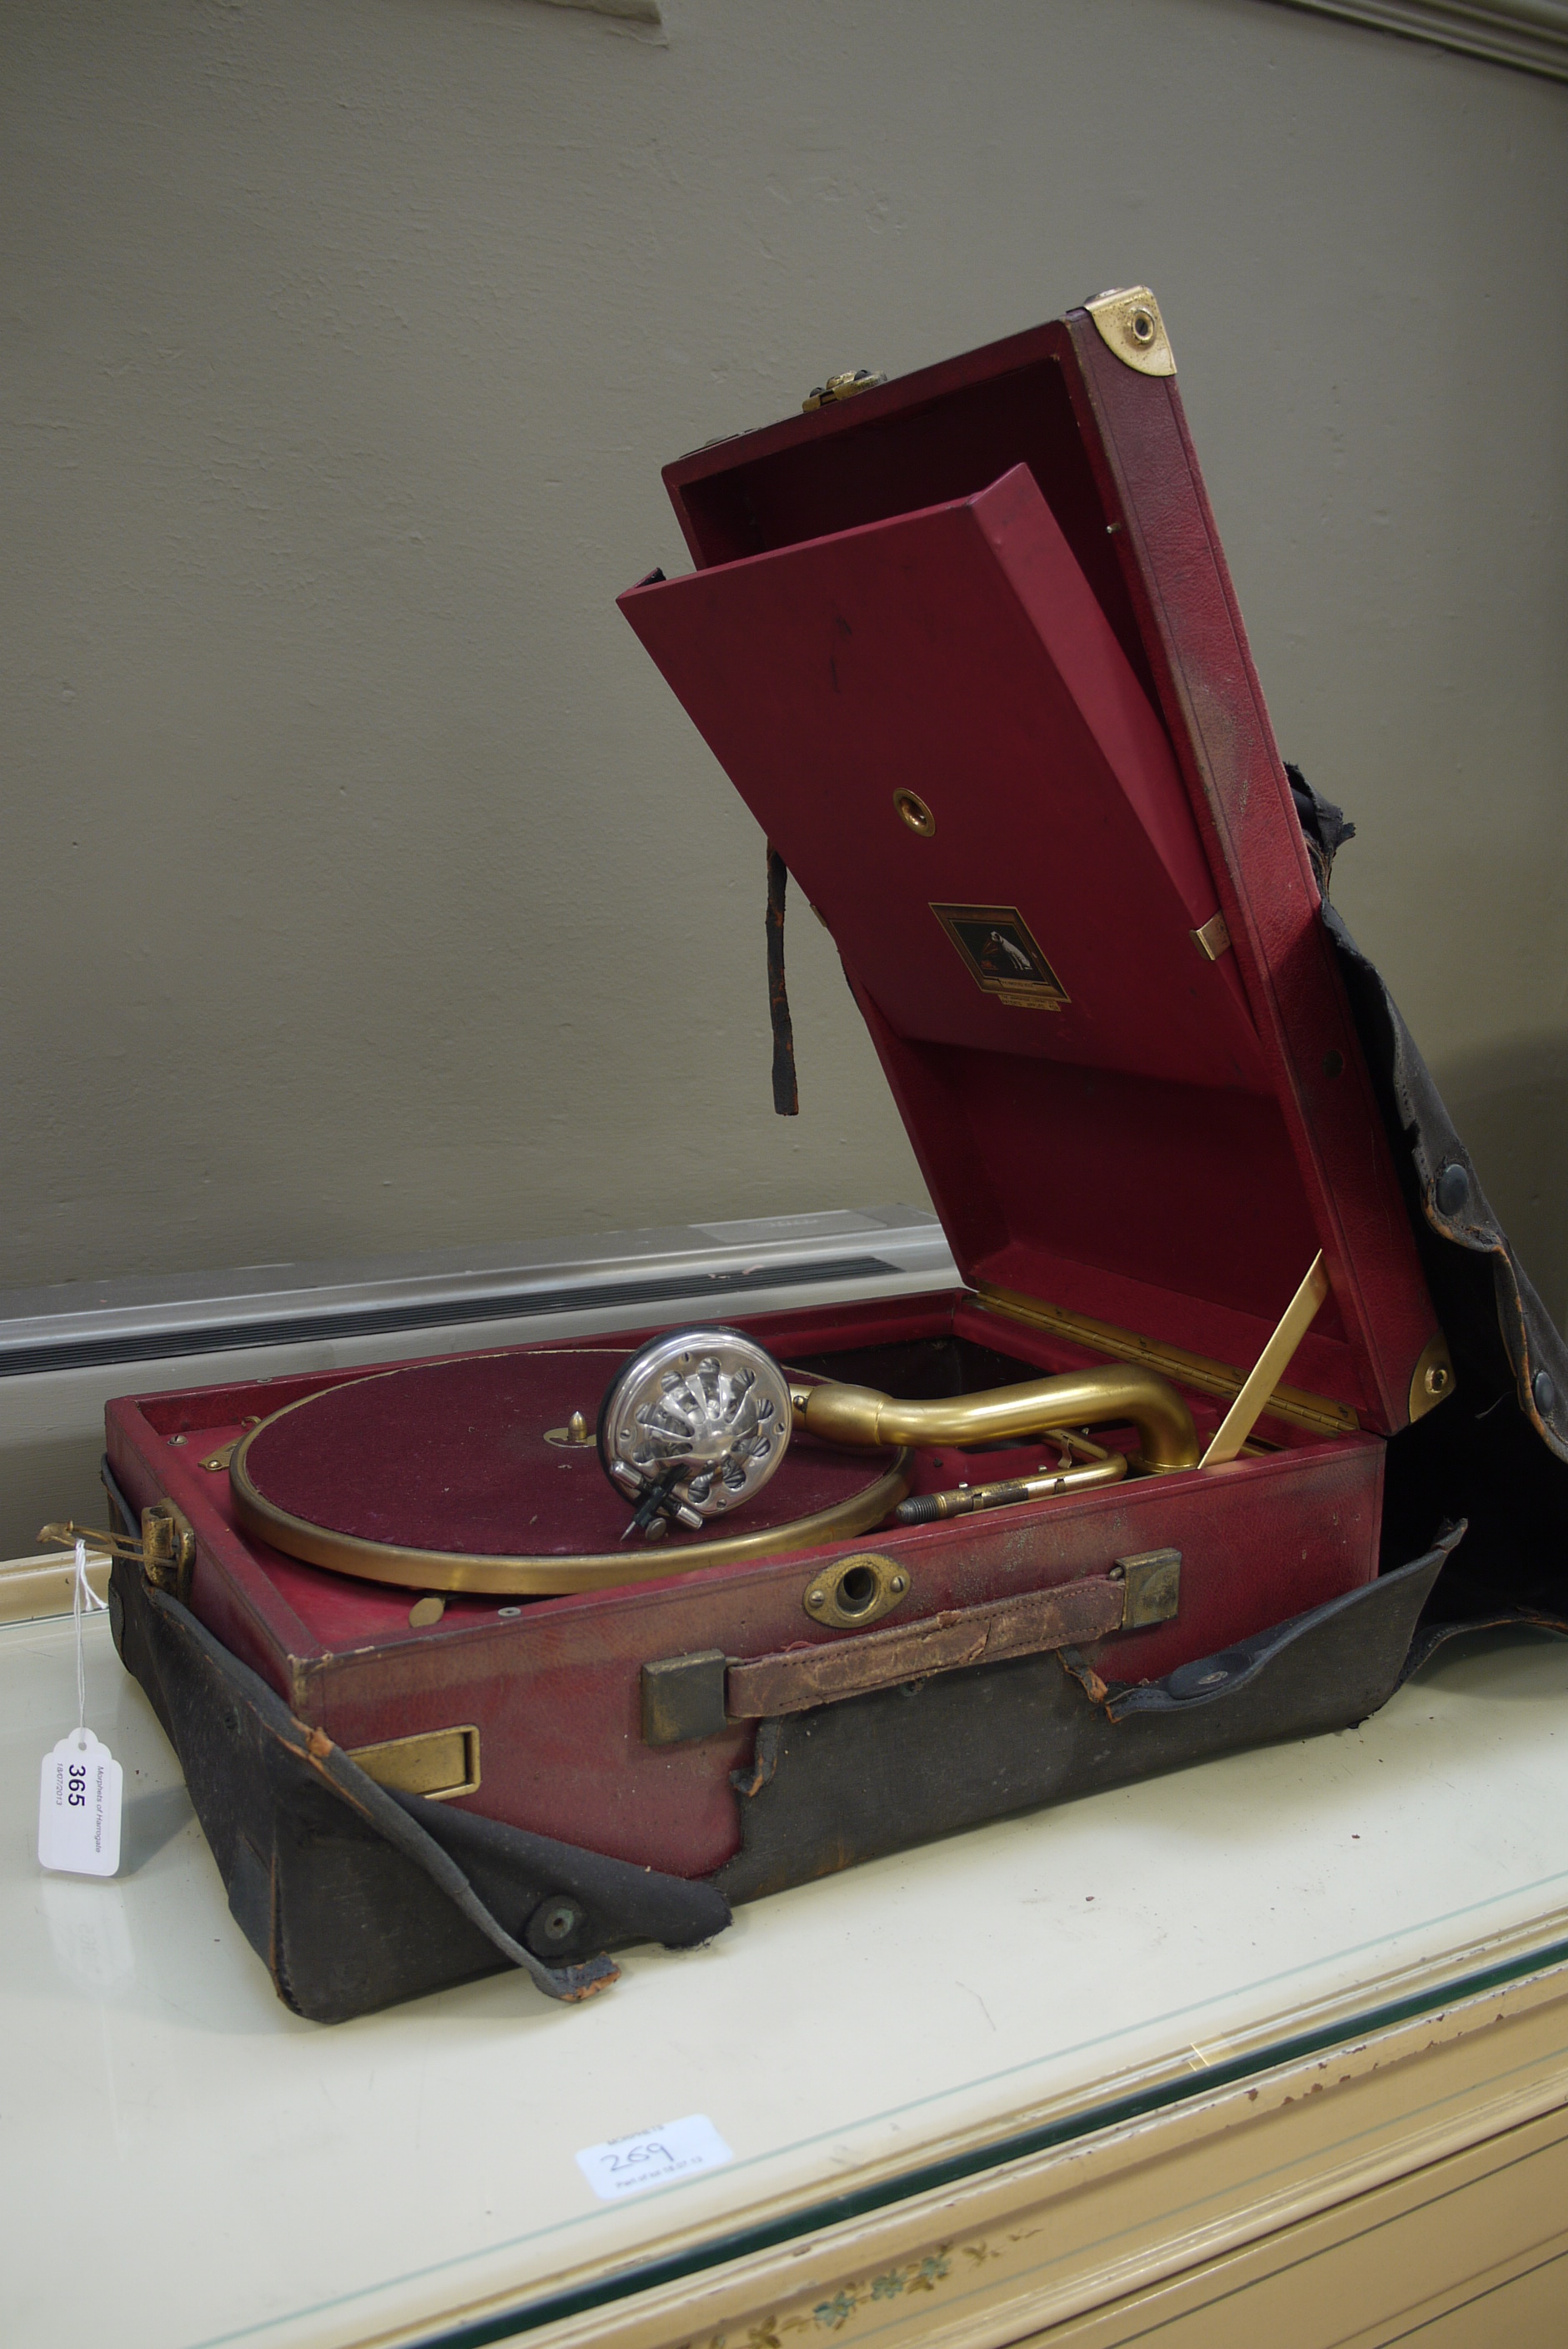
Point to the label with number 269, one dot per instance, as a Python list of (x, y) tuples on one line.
[(654, 2157), (80, 1792)]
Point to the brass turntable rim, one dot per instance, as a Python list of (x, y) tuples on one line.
[(482, 1575)]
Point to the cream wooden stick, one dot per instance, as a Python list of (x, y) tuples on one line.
[(1270, 1367)]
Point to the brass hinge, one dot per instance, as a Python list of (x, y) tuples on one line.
[(1433, 1379), (1214, 938), (842, 387), (165, 1552)]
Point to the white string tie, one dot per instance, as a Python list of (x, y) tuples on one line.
[(84, 1598)]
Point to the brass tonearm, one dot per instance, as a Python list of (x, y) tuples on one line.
[(865, 1420), (697, 1421)]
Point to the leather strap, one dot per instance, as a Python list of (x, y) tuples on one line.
[(786, 1096)]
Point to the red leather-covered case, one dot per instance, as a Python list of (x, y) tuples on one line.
[(966, 645)]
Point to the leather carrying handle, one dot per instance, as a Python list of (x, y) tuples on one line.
[(798, 1678), (702, 1693)]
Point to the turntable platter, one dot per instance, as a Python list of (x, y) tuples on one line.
[(442, 1476)]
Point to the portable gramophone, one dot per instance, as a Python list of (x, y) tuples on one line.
[(530, 1653)]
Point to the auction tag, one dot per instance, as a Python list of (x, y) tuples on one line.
[(652, 2156), (80, 1792)]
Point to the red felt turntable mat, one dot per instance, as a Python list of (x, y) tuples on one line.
[(440, 1476)]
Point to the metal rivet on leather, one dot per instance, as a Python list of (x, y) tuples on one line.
[(1544, 1392), (1453, 1191), (1197, 1679), (551, 1926)]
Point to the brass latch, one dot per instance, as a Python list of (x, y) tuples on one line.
[(165, 1552), (842, 387), (440, 1764)]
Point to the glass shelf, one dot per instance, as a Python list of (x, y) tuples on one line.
[(857, 2043)]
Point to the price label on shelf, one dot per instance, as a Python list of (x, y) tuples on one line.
[(79, 1791), (653, 2157)]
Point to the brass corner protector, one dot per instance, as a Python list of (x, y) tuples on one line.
[(1434, 1378), (1130, 324)]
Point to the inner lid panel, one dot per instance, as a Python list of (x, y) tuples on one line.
[(938, 727), (861, 463)]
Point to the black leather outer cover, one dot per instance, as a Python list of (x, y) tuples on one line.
[(1496, 1453), (353, 1897)]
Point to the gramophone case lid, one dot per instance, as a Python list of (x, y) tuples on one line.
[(966, 645)]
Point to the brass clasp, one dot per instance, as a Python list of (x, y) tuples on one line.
[(165, 1552)]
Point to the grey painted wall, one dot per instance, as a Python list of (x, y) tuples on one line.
[(366, 888)]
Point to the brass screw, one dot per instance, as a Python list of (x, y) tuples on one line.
[(900, 1582), (813, 1598)]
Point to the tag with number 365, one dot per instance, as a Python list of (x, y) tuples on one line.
[(78, 1806)]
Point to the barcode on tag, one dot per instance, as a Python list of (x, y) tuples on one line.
[(652, 2156), (79, 1790)]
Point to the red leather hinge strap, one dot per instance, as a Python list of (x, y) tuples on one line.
[(799, 1677)]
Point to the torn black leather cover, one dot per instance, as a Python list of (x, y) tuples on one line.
[(354, 1898), (850, 1782), (1496, 1452)]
